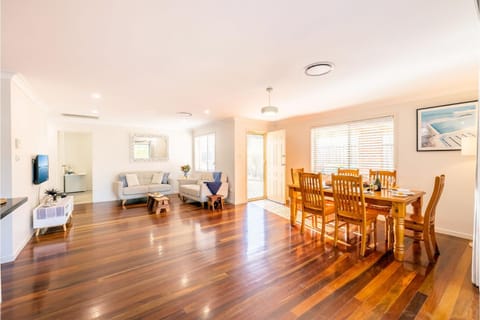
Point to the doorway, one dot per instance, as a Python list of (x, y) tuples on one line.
[(276, 166), (75, 165), (255, 166)]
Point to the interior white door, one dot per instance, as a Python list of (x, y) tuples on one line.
[(276, 161)]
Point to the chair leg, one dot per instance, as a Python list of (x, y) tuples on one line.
[(375, 234), (427, 242), (323, 228), (364, 240), (302, 227), (433, 239), (335, 234)]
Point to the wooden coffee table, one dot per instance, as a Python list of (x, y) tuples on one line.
[(156, 202)]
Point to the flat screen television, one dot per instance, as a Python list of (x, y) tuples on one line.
[(40, 169)]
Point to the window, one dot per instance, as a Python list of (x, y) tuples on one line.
[(366, 144), (204, 152), (141, 151)]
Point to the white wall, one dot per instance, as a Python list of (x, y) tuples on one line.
[(110, 153), (415, 170), (31, 134), (26, 131)]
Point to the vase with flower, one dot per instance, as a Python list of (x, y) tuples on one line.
[(52, 193), (185, 169)]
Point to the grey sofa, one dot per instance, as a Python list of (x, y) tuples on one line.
[(146, 184)]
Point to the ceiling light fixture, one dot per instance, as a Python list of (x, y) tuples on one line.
[(184, 115), (96, 95), (319, 68), (269, 110)]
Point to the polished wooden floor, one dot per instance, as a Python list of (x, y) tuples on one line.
[(242, 263)]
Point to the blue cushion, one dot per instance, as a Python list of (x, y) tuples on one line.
[(123, 179), (165, 177), (213, 186)]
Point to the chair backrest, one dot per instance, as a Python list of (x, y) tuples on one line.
[(312, 191), (429, 216), (388, 179), (295, 175), (348, 196), (348, 172)]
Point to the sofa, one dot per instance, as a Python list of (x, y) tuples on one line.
[(194, 188), (137, 184)]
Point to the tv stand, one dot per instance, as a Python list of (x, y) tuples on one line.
[(54, 215)]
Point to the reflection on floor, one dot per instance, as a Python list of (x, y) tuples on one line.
[(81, 197), (284, 212)]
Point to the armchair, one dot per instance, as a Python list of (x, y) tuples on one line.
[(195, 189)]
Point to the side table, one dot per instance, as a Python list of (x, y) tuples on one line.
[(156, 202), (215, 199), (55, 215)]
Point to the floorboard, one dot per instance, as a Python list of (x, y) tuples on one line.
[(243, 262)]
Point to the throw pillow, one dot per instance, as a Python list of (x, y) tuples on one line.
[(123, 180), (132, 179), (165, 177), (157, 178)]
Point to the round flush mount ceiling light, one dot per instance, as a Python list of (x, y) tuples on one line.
[(319, 68), (269, 110), (184, 115), (96, 96)]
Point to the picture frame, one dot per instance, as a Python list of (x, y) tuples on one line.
[(441, 128)]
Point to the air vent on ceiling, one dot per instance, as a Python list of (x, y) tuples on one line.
[(85, 116)]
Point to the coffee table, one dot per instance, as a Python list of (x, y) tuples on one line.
[(157, 202)]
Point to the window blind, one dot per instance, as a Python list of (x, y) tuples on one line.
[(365, 144), (204, 152)]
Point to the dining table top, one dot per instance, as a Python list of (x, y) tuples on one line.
[(399, 195)]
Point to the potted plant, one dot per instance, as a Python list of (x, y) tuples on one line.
[(185, 169), (53, 193)]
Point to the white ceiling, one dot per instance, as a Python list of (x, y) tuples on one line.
[(152, 58)]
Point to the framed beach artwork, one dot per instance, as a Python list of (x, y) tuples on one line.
[(442, 128)]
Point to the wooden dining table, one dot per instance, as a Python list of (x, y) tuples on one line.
[(398, 211)]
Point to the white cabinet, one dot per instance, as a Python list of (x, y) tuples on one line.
[(75, 182), (54, 215)]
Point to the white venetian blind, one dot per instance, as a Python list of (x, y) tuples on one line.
[(204, 152), (365, 144)]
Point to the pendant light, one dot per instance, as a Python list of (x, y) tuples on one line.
[(269, 110)]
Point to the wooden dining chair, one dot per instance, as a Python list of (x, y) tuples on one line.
[(313, 201), (426, 224), (350, 207), (388, 180), (348, 172), (295, 172)]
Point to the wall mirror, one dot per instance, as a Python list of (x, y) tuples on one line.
[(145, 147)]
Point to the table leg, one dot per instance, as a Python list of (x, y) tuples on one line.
[(293, 206), (417, 211), (399, 211)]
